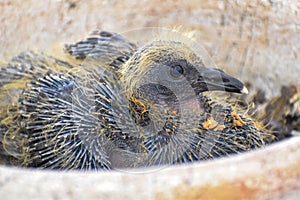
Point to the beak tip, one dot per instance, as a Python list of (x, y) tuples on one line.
[(244, 90)]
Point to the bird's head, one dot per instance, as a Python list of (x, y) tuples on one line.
[(172, 67)]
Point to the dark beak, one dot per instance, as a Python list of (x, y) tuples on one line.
[(215, 79)]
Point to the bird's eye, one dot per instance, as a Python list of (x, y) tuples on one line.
[(176, 71)]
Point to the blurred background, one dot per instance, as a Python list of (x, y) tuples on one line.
[(254, 40)]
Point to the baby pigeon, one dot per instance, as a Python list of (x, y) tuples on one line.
[(114, 105)]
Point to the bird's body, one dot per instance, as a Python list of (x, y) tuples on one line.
[(122, 107)]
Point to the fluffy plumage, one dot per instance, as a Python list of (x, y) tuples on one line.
[(145, 109)]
